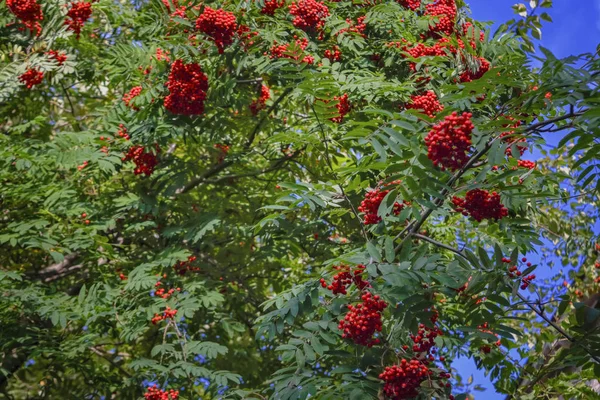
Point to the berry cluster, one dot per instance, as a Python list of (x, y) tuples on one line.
[(468, 75), (128, 97), (163, 293), (223, 150), (449, 141), (357, 27), (309, 14), (510, 138), (31, 77), (162, 55), (77, 15), (59, 57), (343, 107), (167, 314), (154, 393), (370, 205), (219, 25), (344, 278), (122, 132), (187, 86), (513, 272), (29, 12), (427, 103), (403, 381), (485, 328), (420, 50), (182, 267), (363, 320), (82, 166), (283, 51), (334, 54), (145, 162), (480, 205), (470, 27), (272, 5), (445, 12), (260, 103), (424, 340), (411, 4), (246, 35), (526, 164)]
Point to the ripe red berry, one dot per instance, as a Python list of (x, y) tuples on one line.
[(370, 205), (450, 140), (187, 86), (260, 103), (343, 107), (334, 54), (59, 57), (468, 75), (309, 15), (363, 320), (410, 4), (219, 25), (445, 11), (32, 77), (145, 161), (427, 103), (78, 14), (271, 5), (29, 12), (154, 393), (345, 277), (480, 205), (133, 93)]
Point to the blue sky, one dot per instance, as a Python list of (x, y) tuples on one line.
[(575, 30)]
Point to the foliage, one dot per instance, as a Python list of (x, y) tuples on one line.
[(186, 181)]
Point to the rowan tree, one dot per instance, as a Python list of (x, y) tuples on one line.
[(293, 199)]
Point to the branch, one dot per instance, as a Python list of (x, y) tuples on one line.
[(439, 244), (557, 328), (221, 166), (279, 162)]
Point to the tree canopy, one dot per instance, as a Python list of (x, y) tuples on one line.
[(293, 199)]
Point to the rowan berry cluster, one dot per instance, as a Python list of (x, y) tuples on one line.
[(29, 12), (450, 140), (445, 12), (309, 14), (510, 139), (82, 166), (145, 162), (370, 205), (363, 320), (77, 15), (513, 272), (182, 267), (343, 106), (468, 75), (427, 103), (357, 27), (169, 313), (162, 55), (470, 27), (410, 4), (187, 86), (334, 54), (526, 164), (344, 278), (219, 25), (122, 132), (31, 77), (260, 103), (484, 328), (133, 93), (403, 381), (424, 340), (163, 293), (271, 6), (420, 50), (154, 393), (283, 51), (480, 204), (59, 57), (246, 35)]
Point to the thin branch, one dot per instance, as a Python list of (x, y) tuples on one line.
[(439, 244), (557, 328)]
